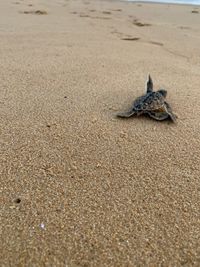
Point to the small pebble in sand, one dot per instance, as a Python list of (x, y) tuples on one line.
[(123, 134), (94, 120), (73, 167), (42, 225), (12, 207)]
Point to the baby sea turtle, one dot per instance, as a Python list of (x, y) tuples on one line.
[(152, 103)]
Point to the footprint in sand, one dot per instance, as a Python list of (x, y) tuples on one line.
[(155, 43), (184, 27), (106, 12), (140, 24), (35, 12), (130, 38), (84, 16)]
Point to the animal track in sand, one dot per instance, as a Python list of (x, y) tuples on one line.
[(128, 37), (152, 42), (142, 41), (175, 53)]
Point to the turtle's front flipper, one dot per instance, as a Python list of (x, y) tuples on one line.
[(159, 115), (126, 114)]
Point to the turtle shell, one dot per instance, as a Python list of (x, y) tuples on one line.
[(148, 102)]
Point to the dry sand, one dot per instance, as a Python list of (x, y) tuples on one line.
[(80, 187)]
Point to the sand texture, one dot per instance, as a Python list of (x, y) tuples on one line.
[(80, 187)]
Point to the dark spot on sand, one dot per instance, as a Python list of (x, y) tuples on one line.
[(195, 11), (140, 24), (65, 96), (130, 38), (83, 15), (58, 210), (36, 12), (100, 17), (156, 43), (17, 200), (40, 12), (107, 12), (48, 125), (118, 9), (73, 12), (184, 27), (92, 10)]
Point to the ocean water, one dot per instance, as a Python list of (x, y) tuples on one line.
[(185, 2)]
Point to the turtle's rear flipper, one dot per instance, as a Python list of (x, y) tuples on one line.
[(149, 85), (168, 109), (126, 114), (173, 117)]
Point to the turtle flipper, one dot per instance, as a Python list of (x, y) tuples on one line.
[(173, 117), (126, 114), (159, 116), (168, 110), (149, 85)]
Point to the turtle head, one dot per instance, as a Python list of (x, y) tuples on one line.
[(163, 92)]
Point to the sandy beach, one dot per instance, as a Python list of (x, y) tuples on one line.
[(80, 187)]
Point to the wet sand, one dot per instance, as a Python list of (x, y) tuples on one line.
[(80, 187)]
